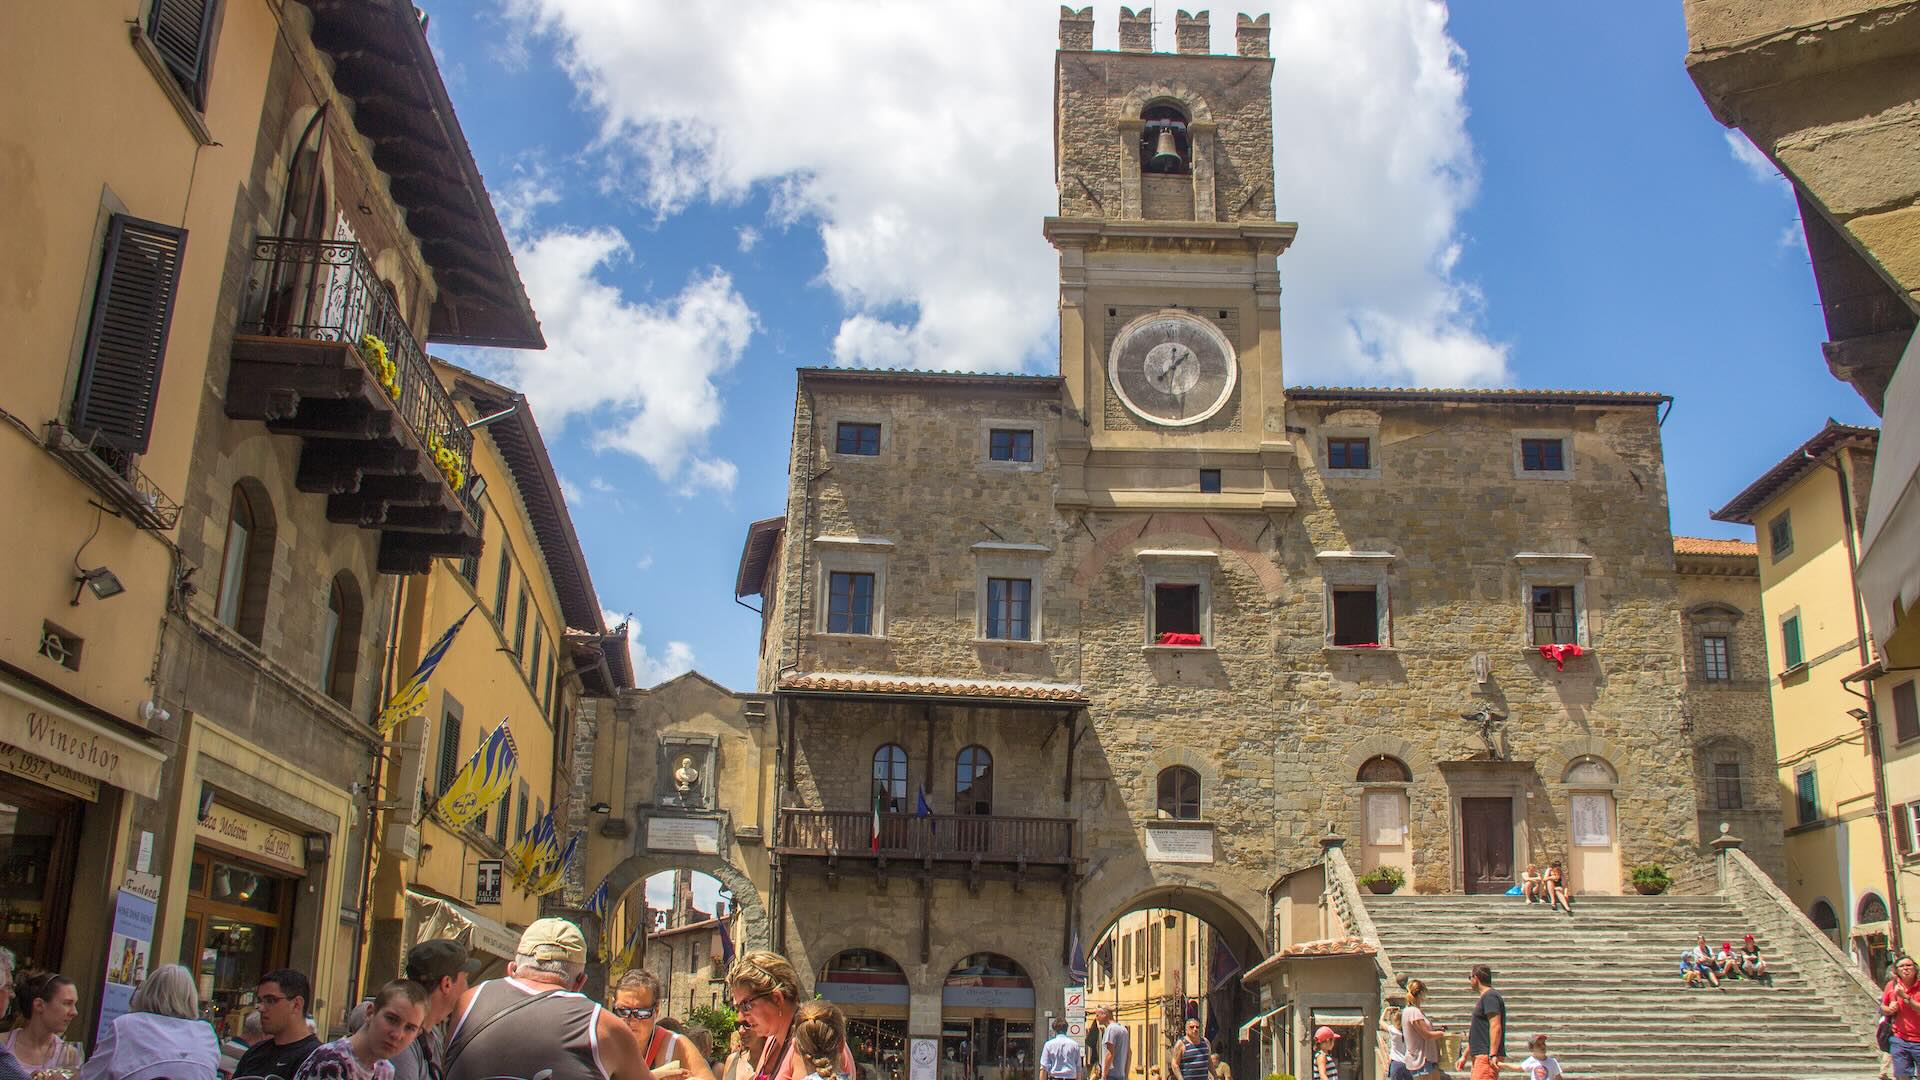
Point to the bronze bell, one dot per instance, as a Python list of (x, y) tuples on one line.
[(1166, 152)]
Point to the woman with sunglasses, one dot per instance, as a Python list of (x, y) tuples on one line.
[(765, 991), (640, 1002)]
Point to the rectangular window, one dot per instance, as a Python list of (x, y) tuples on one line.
[(1349, 454), (1906, 828), (1542, 455), (546, 703), (539, 648), (1153, 950), (1176, 609), (1726, 786), (1780, 537), (127, 334), (1553, 621), (182, 33), (500, 586), (520, 813), (849, 603), (449, 750), (1356, 617), (1007, 600), (520, 625), (1210, 481), (1713, 657), (1806, 796), (864, 440), (1790, 648), (1126, 958), (470, 566), (500, 819), (1005, 444), (1906, 712)]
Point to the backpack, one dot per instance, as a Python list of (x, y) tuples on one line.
[(1883, 1035)]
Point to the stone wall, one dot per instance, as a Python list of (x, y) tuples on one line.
[(1816, 959)]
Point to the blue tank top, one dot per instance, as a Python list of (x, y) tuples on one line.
[(1193, 1059)]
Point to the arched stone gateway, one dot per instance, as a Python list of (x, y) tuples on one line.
[(633, 872)]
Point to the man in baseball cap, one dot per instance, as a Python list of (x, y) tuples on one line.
[(443, 967), (535, 1022)]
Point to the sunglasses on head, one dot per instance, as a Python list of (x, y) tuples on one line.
[(633, 1012)]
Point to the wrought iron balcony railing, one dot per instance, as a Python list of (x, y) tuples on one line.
[(326, 290), (942, 837)]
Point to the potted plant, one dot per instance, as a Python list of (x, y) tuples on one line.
[(1382, 880), (1650, 879)]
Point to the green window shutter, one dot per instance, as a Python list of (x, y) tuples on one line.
[(127, 336), (1790, 640), (182, 33)]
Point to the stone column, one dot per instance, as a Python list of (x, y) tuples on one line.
[(1250, 36), (1076, 28)]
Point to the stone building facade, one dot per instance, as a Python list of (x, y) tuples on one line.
[(1044, 650)]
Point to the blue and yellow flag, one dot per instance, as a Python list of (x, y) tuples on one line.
[(597, 903), (630, 952), (486, 776), (554, 874), (529, 854), (411, 698)]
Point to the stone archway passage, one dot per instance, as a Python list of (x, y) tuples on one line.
[(755, 929)]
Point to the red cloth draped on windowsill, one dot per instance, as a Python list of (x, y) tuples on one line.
[(1172, 638), (1559, 654)]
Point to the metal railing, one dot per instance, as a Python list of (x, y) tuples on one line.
[(115, 475), (326, 290), (937, 836)]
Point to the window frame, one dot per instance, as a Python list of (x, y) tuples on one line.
[(850, 555), (900, 803), (1806, 795), (1571, 609), (1342, 571), (1906, 721), (1341, 447), (1780, 535), (853, 580), (503, 583), (1211, 482), (860, 430), (1793, 645), (450, 758), (1544, 569), (831, 436), (193, 84), (235, 555), (1524, 436), (1722, 783), (1159, 568), (1178, 774), (969, 804), (104, 359), (1016, 596), (1718, 669), (1010, 561), (477, 506)]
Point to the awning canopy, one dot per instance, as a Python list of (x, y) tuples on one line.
[(1890, 543), (1339, 1018), (41, 725), (430, 917), (1246, 1029)]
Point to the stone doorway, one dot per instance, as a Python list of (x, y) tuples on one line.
[(1486, 831), (1489, 800)]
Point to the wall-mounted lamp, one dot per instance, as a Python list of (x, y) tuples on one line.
[(600, 808), (318, 845), (1857, 714), (100, 580), (1170, 919)]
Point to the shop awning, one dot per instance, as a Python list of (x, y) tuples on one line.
[(1339, 1018), (1868, 929), (430, 917), (40, 725), (1246, 1029)]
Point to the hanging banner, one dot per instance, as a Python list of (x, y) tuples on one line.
[(129, 953)]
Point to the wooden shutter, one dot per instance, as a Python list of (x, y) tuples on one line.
[(127, 337), (182, 33), (1903, 829)]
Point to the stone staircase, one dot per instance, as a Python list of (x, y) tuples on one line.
[(1603, 985)]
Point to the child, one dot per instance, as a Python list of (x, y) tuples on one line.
[(1530, 884), (820, 1038), (1689, 971), (1539, 1065), (1324, 1067), (1728, 963)]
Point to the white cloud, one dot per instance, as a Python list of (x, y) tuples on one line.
[(644, 562), (1750, 157), (602, 485), (749, 236), (918, 147), (641, 374), (648, 669), (571, 491)]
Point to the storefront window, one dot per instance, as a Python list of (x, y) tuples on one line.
[(235, 931), (38, 830)]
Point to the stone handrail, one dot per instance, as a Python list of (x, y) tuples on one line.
[(1825, 967), (1343, 892)]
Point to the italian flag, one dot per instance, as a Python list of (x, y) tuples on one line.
[(875, 839)]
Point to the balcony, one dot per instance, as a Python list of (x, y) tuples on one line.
[(963, 841), (382, 440)]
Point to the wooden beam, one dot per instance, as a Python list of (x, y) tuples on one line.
[(334, 419)]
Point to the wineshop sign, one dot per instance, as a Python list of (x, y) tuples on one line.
[(62, 736)]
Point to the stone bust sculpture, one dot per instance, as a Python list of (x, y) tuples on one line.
[(686, 778)]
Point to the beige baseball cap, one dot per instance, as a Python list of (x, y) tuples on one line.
[(553, 939)]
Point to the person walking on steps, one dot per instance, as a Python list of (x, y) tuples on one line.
[(1487, 1034), (1901, 1003)]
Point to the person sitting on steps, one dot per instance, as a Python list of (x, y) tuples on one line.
[(1701, 956), (1556, 888), (1533, 885)]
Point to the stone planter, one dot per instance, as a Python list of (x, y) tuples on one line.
[(1648, 889), (1379, 888)]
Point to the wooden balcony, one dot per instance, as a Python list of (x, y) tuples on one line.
[(963, 841), (383, 441)]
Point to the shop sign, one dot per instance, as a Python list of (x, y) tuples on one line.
[(255, 838), (988, 997), (1179, 845), (70, 740), (700, 836), (863, 993), (47, 774), (129, 952), (486, 883)]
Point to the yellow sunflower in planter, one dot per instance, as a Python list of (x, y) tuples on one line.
[(384, 369)]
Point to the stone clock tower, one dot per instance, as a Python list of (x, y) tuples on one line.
[(1169, 278)]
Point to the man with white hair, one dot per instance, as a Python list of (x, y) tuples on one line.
[(536, 1023)]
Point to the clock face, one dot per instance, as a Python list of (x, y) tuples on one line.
[(1172, 368)]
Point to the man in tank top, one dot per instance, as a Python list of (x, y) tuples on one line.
[(536, 1023)]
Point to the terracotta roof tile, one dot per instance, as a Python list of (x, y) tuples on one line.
[(926, 685), (1701, 545), (1504, 395)]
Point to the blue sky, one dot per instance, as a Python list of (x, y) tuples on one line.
[(704, 197)]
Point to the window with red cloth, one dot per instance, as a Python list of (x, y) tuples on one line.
[(1174, 638), (1559, 654)]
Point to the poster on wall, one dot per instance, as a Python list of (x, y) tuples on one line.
[(129, 953), (925, 1060), (1385, 827), (1592, 826)]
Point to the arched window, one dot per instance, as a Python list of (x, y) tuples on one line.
[(890, 778), (1872, 909), (1164, 145), (247, 563), (1383, 769), (1179, 794), (340, 639), (973, 782), (1825, 919), (1590, 772)]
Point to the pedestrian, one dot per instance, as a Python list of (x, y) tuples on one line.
[(1060, 1058), (444, 969), (1423, 1038), (281, 998), (1727, 961), (820, 1040), (1752, 965), (47, 1003), (1898, 1003), (765, 992), (536, 1020), (392, 1024), (1540, 1065), (249, 1035), (1187, 1058), (638, 1001), (743, 1051), (1220, 1069), (1114, 1049), (1395, 1036), (1487, 1034), (1556, 888), (10, 1069), (1324, 1066), (161, 1036), (1533, 885)]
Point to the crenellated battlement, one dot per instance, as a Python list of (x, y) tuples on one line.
[(1191, 32)]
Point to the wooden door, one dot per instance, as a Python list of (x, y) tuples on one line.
[(1486, 835)]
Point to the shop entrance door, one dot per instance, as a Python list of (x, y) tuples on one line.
[(238, 916), (1486, 834), (39, 839), (986, 1048)]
